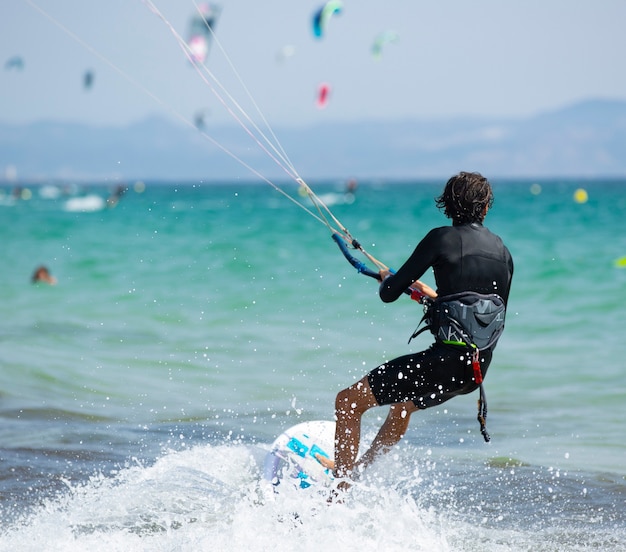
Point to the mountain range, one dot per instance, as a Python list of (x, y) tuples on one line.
[(586, 140)]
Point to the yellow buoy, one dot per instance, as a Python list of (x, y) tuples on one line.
[(620, 263), (581, 196)]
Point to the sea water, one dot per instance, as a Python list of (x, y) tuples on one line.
[(193, 322)]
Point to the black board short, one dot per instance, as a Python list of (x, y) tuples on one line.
[(427, 378)]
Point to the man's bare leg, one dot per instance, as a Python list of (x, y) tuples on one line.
[(350, 405), (392, 430)]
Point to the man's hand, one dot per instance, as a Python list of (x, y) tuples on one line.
[(424, 289)]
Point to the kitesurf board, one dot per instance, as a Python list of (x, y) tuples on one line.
[(291, 458)]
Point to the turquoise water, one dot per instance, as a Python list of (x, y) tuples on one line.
[(193, 322)]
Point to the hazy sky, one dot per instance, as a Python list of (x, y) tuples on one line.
[(454, 57)]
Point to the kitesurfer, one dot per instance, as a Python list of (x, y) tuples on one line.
[(465, 257)]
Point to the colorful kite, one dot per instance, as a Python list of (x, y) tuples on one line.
[(323, 15), (323, 95), (386, 37), (201, 29)]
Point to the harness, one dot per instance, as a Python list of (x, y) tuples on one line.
[(471, 320)]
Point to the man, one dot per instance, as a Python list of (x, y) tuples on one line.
[(465, 257)]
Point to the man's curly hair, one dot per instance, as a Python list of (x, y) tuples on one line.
[(466, 198)]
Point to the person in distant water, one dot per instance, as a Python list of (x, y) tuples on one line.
[(467, 259), (42, 274), (115, 196)]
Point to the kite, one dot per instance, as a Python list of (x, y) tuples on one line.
[(200, 117), (285, 53), (16, 62), (323, 15), (88, 80), (201, 28), (386, 37), (323, 94)]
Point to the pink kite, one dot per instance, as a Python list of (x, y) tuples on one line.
[(323, 93)]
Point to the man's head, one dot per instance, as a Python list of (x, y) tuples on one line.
[(466, 198)]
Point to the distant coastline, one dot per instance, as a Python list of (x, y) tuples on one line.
[(585, 140)]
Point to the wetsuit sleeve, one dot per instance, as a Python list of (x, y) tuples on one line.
[(510, 267), (415, 266)]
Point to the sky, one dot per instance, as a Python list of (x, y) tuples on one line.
[(474, 58)]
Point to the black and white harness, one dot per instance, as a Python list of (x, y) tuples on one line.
[(471, 320)]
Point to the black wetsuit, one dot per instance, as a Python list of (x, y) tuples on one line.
[(466, 257)]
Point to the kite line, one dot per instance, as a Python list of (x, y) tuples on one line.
[(270, 145)]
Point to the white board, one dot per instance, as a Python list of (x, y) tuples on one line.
[(292, 455)]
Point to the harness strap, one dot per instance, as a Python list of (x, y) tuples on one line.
[(478, 375), (482, 414), (482, 399), (418, 331)]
